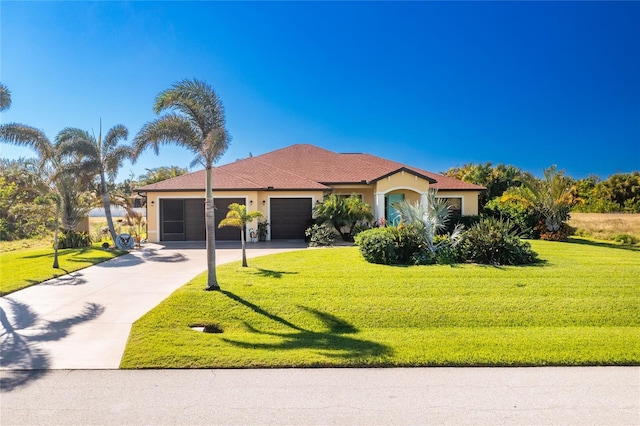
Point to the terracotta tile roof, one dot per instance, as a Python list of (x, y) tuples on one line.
[(299, 167)]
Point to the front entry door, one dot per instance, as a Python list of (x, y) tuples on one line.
[(392, 214)]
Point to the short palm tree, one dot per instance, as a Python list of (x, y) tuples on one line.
[(343, 213), (429, 220), (5, 97), (101, 157), (552, 197), (195, 121), (238, 217)]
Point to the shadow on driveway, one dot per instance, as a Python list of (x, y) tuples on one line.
[(22, 360)]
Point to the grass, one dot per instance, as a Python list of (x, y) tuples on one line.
[(605, 226), (328, 307), (43, 242), (21, 268)]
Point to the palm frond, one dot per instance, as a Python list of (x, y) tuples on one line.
[(114, 159), (115, 134), (23, 135), (215, 145), (197, 102), (5, 97), (170, 128), (71, 140)]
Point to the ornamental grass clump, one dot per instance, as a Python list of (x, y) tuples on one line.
[(495, 242)]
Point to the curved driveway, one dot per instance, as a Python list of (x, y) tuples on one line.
[(82, 320)]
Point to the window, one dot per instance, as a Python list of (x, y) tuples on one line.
[(455, 203)]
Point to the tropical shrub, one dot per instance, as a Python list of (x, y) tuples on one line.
[(495, 242), (523, 216), (73, 239), (406, 243), (377, 246), (403, 245), (552, 197), (343, 213), (429, 221), (320, 235)]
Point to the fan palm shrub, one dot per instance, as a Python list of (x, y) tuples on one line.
[(428, 221)]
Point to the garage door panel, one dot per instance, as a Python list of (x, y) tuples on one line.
[(183, 219), (290, 217), (172, 220), (195, 229)]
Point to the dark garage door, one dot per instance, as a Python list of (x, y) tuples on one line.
[(290, 217), (183, 219), (227, 233)]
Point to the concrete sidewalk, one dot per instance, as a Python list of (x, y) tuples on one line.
[(344, 396), (82, 320)]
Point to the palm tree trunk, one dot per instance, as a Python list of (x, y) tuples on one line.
[(107, 207), (55, 236), (210, 223), (244, 254)]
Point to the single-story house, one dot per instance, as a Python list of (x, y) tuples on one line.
[(286, 184)]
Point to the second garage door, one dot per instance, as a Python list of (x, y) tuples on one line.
[(290, 217)]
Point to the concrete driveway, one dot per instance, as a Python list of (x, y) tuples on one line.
[(82, 320)]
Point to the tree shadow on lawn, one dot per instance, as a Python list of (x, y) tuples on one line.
[(331, 343), (21, 358), (603, 244), (268, 273)]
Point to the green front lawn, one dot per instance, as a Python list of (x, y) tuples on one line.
[(329, 307), (25, 267)]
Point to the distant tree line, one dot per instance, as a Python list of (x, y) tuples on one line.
[(540, 207)]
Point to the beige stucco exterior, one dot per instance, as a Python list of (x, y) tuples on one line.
[(414, 188)]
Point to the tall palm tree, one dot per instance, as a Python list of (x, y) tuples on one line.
[(101, 157), (195, 120), (5, 97), (51, 165), (238, 217)]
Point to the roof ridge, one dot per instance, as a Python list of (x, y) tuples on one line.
[(288, 171)]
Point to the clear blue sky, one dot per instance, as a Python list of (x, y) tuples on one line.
[(429, 84)]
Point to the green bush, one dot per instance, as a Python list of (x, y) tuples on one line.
[(625, 239), (377, 245), (522, 217), (406, 242), (393, 245), (495, 242), (320, 235), (73, 239)]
